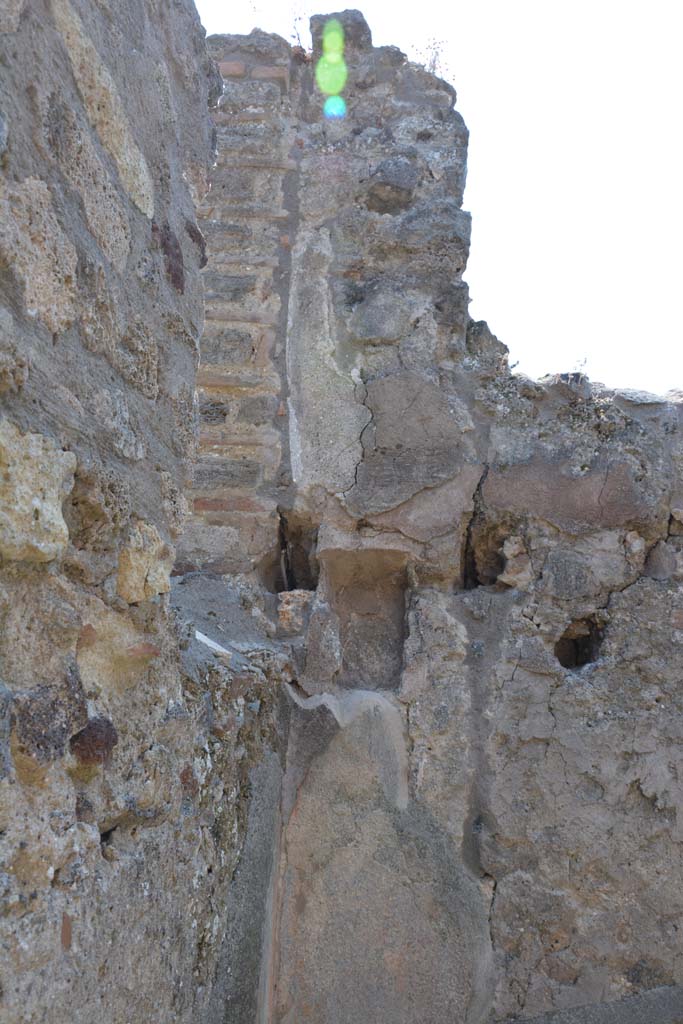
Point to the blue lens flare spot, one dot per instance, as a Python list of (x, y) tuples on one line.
[(331, 71), (335, 107)]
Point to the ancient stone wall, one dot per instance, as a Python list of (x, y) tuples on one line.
[(403, 743), (121, 769), (477, 579)]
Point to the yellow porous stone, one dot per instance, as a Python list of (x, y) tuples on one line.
[(104, 107), (144, 565), (35, 477), (104, 206), (40, 254)]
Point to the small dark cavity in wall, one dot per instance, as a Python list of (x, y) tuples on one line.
[(478, 826), (287, 577), (580, 643), (106, 837), (483, 560), (483, 557), (293, 566), (675, 528)]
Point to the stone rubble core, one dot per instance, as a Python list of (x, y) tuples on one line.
[(403, 742)]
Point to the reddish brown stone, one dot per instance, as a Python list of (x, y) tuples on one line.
[(267, 72), (88, 636), (66, 932), (199, 240), (95, 742), (232, 68), (189, 781), (605, 496), (45, 717), (239, 503), (144, 651), (167, 241)]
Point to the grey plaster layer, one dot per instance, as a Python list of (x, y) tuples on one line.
[(236, 985)]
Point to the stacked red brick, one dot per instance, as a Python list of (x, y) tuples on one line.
[(246, 224)]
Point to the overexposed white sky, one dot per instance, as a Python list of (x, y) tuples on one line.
[(575, 179)]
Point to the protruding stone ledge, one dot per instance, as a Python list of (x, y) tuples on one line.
[(659, 1006)]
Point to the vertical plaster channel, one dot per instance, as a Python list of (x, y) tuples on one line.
[(390, 755), (348, 706), (264, 1005), (326, 419)]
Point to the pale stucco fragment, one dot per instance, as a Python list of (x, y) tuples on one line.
[(326, 419), (518, 568), (35, 477)]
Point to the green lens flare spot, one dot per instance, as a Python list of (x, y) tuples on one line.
[(333, 37), (331, 76), (331, 71), (335, 107)]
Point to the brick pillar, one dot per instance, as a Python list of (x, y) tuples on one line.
[(242, 459)]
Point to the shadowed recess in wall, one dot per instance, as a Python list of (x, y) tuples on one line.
[(580, 643), (367, 594)]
